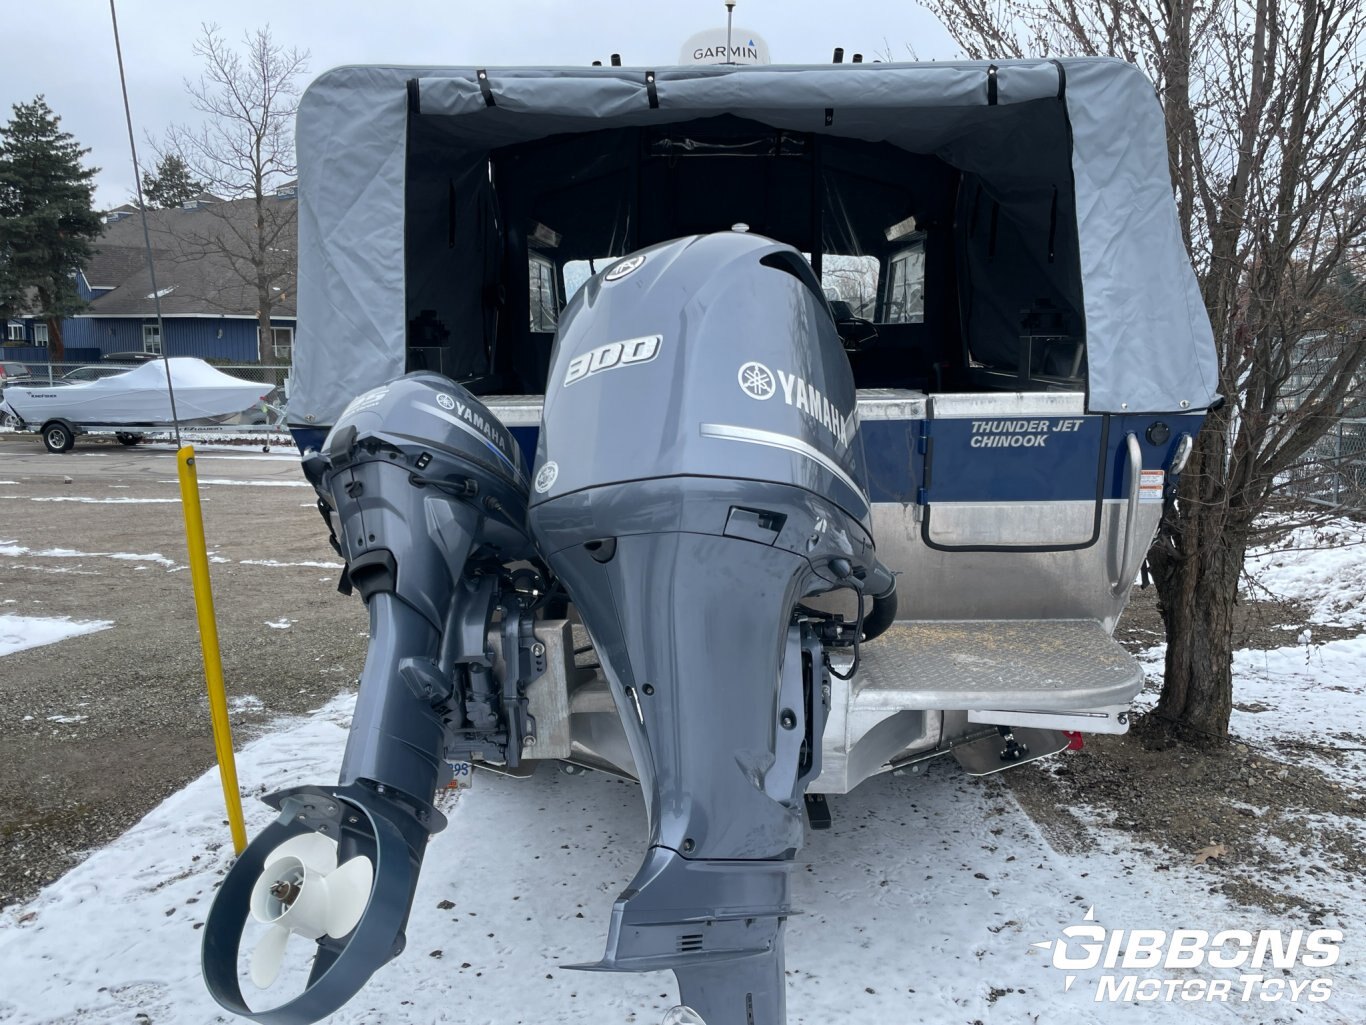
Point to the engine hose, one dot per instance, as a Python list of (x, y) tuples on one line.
[(881, 615), (858, 637)]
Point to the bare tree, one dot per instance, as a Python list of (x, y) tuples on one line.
[(1266, 135), (243, 152)]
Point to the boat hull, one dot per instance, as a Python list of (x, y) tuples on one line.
[(139, 397)]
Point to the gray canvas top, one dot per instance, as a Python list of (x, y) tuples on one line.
[(1149, 345)]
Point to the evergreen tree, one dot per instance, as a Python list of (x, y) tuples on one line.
[(47, 219), (170, 185)]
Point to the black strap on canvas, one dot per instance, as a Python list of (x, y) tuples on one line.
[(484, 86)]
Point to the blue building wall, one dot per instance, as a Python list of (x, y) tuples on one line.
[(107, 335), (220, 338), (86, 339)]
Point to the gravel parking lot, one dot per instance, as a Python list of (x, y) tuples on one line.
[(97, 729)]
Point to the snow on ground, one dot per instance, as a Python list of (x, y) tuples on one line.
[(278, 564), (1322, 566), (924, 902), (94, 501), (1312, 691), (225, 482), (1308, 691), (20, 632), (14, 550), (1312, 694)]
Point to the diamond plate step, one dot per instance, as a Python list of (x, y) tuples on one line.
[(1039, 664)]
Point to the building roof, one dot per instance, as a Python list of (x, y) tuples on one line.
[(112, 265), (199, 258)]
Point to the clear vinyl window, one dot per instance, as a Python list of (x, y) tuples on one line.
[(545, 306), (906, 288)]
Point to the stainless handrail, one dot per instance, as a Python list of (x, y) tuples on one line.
[(1183, 453), (1126, 572)]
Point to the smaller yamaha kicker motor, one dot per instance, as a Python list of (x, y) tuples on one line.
[(426, 494)]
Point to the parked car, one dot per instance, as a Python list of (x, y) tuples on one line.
[(13, 373), (129, 357)]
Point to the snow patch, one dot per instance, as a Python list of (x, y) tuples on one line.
[(223, 481), (1323, 567), (278, 564), (12, 550), (1314, 694), (18, 633), (97, 501)]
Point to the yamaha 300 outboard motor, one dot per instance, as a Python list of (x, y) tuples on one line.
[(427, 492), (700, 474)]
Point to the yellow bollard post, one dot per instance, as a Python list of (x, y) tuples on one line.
[(208, 642)]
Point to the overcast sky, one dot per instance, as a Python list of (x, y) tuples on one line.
[(64, 48)]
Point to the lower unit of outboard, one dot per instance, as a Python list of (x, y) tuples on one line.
[(426, 494), (699, 476)]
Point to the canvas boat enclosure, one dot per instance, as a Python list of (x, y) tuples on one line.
[(764, 429), (444, 214)]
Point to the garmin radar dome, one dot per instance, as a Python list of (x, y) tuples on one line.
[(727, 44)]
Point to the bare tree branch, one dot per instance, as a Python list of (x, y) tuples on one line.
[(244, 150)]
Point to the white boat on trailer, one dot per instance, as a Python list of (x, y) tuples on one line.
[(136, 399)]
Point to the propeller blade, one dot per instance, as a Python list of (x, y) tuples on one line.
[(268, 956), (316, 851), (348, 892)]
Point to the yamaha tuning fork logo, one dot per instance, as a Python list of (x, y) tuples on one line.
[(625, 267), (545, 479), (757, 381)]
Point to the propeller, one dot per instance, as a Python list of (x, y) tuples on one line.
[(304, 891)]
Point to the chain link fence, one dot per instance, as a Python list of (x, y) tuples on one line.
[(1333, 473)]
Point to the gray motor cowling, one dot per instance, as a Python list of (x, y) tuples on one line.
[(714, 350), (425, 493), (699, 474)]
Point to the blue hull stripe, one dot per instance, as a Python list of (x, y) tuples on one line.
[(1057, 465)]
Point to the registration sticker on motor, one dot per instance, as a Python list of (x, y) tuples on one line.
[(462, 775), (1151, 485)]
